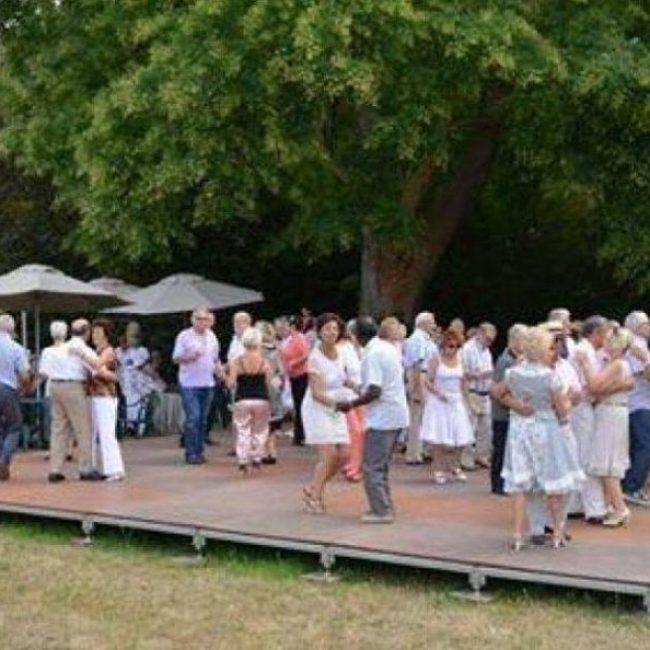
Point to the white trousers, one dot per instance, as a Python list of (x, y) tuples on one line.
[(106, 454), (592, 495)]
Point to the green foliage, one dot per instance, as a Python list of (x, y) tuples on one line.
[(306, 120)]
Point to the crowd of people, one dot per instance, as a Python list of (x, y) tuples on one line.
[(561, 420)]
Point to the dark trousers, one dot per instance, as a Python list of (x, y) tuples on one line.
[(11, 422), (298, 390), (637, 474), (377, 449), (196, 404), (499, 438)]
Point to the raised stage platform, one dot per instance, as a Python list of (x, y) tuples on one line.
[(455, 528)]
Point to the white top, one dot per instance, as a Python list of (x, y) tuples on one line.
[(567, 371), (55, 363), (418, 349), (13, 361), (639, 398), (235, 349), (198, 373), (351, 361), (331, 370), (594, 358), (381, 366), (75, 350), (477, 359)]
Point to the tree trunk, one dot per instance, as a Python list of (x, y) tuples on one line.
[(392, 278)]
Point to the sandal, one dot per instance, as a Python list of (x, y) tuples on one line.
[(314, 506)]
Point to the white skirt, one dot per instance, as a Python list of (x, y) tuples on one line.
[(106, 454), (446, 423), (323, 425)]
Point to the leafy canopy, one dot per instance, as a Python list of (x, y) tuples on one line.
[(155, 118)]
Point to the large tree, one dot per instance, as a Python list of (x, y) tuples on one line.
[(373, 124)]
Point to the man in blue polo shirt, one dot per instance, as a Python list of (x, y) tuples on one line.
[(14, 374)]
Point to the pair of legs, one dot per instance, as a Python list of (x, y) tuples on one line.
[(414, 446), (251, 421), (106, 454), (70, 414), (377, 451), (196, 404), (556, 506), (298, 389), (614, 494), (480, 413), (330, 459), (356, 428), (639, 471), (446, 460), (11, 421)]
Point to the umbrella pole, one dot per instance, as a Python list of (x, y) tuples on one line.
[(23, 328)]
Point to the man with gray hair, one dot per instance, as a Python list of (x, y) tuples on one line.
[(639, 406), (419, 348), (563, 315), (14, 375), (67, 374), (479, 370), (196, 351)]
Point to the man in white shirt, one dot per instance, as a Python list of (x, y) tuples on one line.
[(386, 415), (478, 367), (639, 405), (418, 349), (69, 402)]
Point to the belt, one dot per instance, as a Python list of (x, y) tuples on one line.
[(67, 381), (481, 393)]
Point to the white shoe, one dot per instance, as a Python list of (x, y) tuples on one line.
[(459, 475), (439, 478), (372, 518), (113, 478)]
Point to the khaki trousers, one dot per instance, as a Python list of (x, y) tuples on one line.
[(480, 415), (70, 412)]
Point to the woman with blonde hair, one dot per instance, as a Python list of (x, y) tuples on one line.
[(272, 355), (609, 456), (539, 457), (250, 380)]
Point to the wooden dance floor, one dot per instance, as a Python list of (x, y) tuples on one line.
[(456, 528)]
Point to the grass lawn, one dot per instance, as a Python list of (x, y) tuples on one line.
[(129, 592)]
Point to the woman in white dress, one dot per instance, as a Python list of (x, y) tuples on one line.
[(445, 419), (325, 427), (541, 454), (609, 452)]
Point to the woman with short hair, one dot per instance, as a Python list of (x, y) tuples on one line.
[(250, 380), (102, 388), (325, 427)]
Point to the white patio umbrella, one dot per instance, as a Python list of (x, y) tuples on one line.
[(44, 289), (115, 286), (184, 292)]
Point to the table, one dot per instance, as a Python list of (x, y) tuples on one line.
[(168, 414)]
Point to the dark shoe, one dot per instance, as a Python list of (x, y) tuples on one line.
[(500, 493), (69, 458), (537, 540), (181, 442), (91, 476), (55, 477), (256, 464), (269, 460), (243, 469), (595, 521), (199, 460), (576, 515), (427, 460), (299, 443), (414, 462), (4, 471)]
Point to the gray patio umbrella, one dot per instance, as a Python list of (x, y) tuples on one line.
[(184, 292), (43, 289), (115, 286)]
